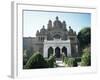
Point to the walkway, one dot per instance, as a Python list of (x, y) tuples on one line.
[(60, 63)]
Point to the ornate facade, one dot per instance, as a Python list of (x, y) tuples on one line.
[(56, 40)]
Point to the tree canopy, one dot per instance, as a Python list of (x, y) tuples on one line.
[(84, 37)]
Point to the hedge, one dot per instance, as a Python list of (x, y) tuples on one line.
[(51, 62), (36, 61)]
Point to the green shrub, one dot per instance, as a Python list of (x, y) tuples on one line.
[(71, 62), (51, 61), (65, 60), (86, 58), (36, 61)]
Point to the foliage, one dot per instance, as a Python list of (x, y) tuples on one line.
[(36, 61), (65, 60), (86, 58), (84, 37), (51, 61), (24, 60), (71, 62), (27, 53)]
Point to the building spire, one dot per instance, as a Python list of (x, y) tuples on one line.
[(49, 25)]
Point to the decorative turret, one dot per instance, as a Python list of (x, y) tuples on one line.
[(71, 32), (37, 33), (49, 25), (64, 25), (70, 29), (57, 18)]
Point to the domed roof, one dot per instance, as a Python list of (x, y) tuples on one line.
[(43, 30), (49, 21), (57, 23)]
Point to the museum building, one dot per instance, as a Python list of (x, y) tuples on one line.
[(56, 40)]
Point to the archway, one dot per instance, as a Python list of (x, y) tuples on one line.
[(64, 50), (57, 52), (50, 51)]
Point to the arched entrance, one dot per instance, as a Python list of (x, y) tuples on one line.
[(50, 51), (64, 50), (57, 52)]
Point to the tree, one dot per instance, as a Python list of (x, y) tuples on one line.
[(36, 61), (27, 53), (86, 58), (84, 37)]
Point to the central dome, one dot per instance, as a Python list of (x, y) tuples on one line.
[(57, 23)]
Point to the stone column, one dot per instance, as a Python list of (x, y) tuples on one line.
[(69, 50), (76, 48), (60, 52), (53, 50), (77, 53), (45, 51)]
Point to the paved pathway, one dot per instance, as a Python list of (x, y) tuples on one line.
[(60, 63)]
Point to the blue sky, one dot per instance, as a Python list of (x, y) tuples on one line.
[(34, 20)]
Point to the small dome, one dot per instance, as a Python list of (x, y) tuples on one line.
[(43, 30), (49, 21), (71, 32), (37, 33), (70, 29)]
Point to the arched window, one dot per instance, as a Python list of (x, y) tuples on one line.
[(64, 50), (57, 52), (50, 51)]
